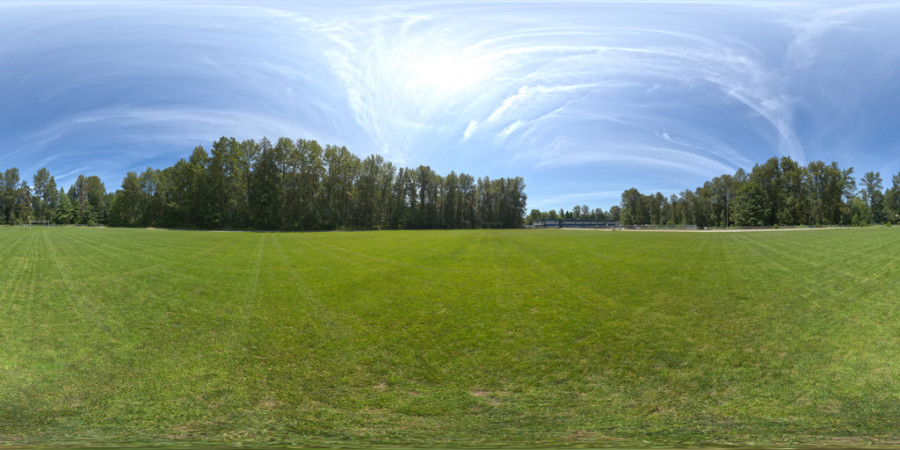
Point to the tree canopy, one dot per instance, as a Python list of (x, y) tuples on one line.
[(776, 192), (288, 185)]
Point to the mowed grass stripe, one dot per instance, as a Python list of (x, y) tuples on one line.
[(448, 337), (825, 305), (15, 262)]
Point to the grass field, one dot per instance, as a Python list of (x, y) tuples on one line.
[(449, 338)]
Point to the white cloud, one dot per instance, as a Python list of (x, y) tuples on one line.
[(529, 94), (813, 25), (640, 156), (509, 129), (470, 130)]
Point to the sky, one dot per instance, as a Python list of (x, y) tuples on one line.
[(582, 99)]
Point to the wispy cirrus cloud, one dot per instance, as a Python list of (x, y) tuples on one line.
[(529, 95), (639, 157), (470, 129)]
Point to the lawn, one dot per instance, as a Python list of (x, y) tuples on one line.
[(449, 338)]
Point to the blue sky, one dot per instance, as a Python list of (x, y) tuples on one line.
[(582, 99)]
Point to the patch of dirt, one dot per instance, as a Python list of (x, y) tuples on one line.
[(488, 396), (587, 436), (182, 432), (270, 404)]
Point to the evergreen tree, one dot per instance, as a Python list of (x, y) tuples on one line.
[(65, 212)]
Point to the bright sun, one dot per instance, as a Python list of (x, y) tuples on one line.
[(448, 73)]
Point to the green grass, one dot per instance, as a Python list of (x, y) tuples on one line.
[(449, 338)]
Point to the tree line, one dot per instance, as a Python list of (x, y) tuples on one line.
[(86, 201), (577, 212), (288, 185), (777, 192)]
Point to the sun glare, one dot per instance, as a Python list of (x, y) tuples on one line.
[(448, 73)]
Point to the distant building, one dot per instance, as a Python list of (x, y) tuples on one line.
[(575, 223)]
